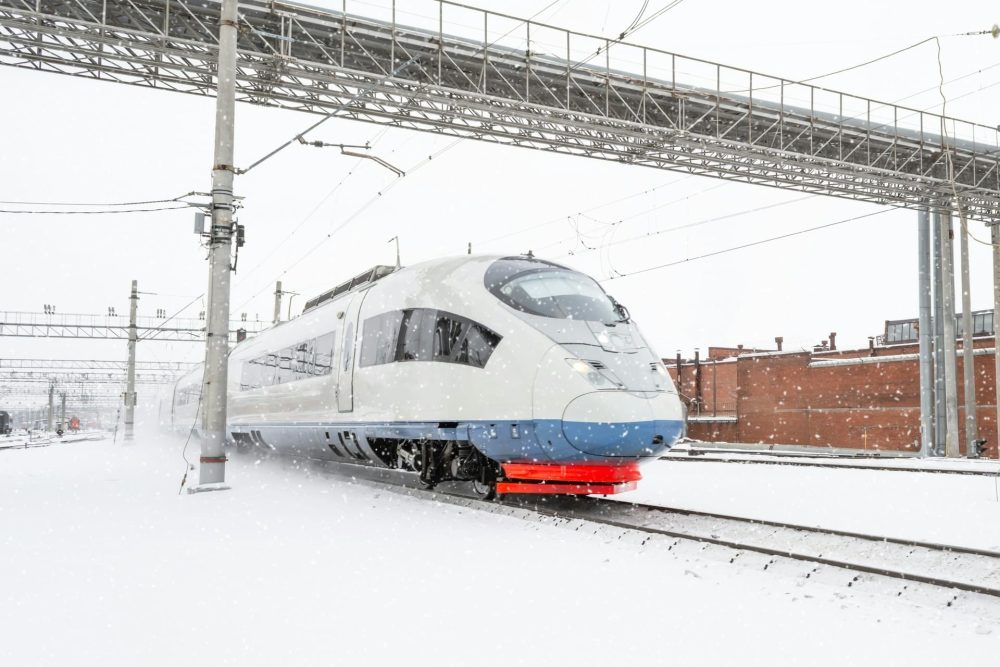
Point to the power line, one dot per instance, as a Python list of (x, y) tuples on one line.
[(378, 195), (124, 203), (100, 212), (747, 245), (869, 62), (697, 223)]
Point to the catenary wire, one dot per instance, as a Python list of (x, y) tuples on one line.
[(697, 223), (747, 245), (101, 212), (357, 212)]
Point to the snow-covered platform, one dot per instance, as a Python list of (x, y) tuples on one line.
[(105, 564)]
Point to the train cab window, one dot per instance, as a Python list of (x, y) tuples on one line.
[(378, 339), (548, 290)]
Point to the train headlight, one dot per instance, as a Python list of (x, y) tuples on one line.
[(596, 373)]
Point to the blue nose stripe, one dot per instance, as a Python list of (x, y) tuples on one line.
[(558, 440)]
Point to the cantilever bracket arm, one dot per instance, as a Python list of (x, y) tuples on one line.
[(397, 171), (344, 151)]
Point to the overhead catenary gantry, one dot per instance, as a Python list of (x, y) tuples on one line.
[(79, 325), (498, 78)]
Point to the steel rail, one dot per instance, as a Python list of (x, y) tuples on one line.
[(709, 458), (397, 481), (787, 553)]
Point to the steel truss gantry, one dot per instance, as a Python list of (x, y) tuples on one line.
[(75, 325), (94, 365), (69, 377), (499, 78)]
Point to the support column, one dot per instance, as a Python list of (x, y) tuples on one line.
[(52, 406), (277, 302), (62, 411), (133, 308), (951, 448), (995, 240), (940, 423), (212, 468), (968, 358), (925, 326)]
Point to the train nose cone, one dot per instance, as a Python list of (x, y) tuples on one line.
[(613, 424)]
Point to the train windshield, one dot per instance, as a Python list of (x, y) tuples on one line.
[(549, 290)]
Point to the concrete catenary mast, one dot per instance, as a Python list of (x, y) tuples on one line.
[(948, 319), (130, 397), (213, 459), (926, 360), (968, 359)]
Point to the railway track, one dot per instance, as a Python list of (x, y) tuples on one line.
[(825, 462), (941, 565)]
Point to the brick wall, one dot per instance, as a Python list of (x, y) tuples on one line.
[(792, 398)]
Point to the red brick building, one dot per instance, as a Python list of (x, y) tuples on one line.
[(860, 399)]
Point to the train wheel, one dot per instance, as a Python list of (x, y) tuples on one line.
[(484, 490)]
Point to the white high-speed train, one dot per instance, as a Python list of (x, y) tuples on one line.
[(513, 373)]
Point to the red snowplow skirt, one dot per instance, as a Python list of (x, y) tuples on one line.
[(569, 479)]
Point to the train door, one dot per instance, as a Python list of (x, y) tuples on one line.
[(345, 369)]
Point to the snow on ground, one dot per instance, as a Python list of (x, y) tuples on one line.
[(961, 510), (103, 563)]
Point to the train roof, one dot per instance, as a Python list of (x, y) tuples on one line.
[(365, 278)]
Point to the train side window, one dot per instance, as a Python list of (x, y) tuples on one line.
[(415, 335), (302, 364), (348, 346), (378, 340), (323, 360), (448, 333), (253, 374), (477, 346), (285, 359)]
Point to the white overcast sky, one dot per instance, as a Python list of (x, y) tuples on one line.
[(69, 139)]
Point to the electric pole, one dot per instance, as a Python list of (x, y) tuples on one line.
[(52, 399), (948, 308), (926, 341), (277, 302), (62, 411), (968, 358), (212, 468), (995, 240), (130, 378)]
